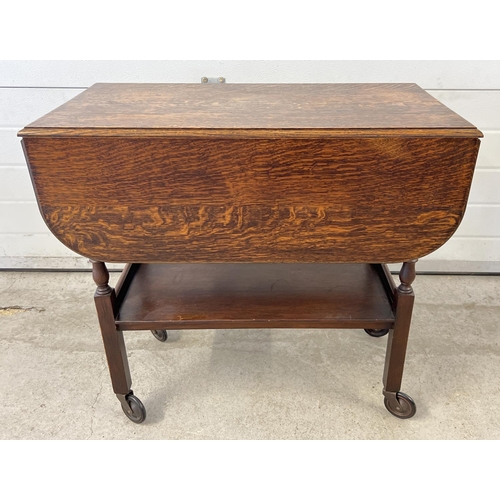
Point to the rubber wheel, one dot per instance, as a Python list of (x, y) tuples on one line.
[(404, 407), (161, 335), (137, 411), (377, 333)]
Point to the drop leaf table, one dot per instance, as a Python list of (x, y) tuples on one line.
[(253, 206)]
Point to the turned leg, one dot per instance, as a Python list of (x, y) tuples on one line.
[(114, 345), (398, 403)]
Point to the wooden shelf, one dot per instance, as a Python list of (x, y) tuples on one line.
[(204, 296)]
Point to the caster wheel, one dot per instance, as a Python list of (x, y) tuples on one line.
[(161, 335), (377, 333), (135, 411), (402, 407)]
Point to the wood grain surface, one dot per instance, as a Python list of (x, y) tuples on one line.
[(268, 200), (139, 109), (206, 200), (180, 296), (252, 173)]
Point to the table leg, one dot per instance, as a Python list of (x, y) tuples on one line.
[(398, 403), (114, 345)]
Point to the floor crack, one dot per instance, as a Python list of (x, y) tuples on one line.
[(10, 310)]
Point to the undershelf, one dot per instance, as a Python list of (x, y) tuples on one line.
[(205, 296)]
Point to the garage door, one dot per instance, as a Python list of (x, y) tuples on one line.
[(29, 89)]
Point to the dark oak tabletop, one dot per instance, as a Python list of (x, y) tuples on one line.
[(244, 109), (190, 173)]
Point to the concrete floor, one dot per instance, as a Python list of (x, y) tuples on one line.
[(247, 384)]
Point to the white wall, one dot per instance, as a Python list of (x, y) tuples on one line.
[(29, 89)]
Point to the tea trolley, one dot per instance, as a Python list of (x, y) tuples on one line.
[(253, 206)]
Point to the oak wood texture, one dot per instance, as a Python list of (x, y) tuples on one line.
[(284, 200), (252, 173), (104, 109), (191, 296)]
